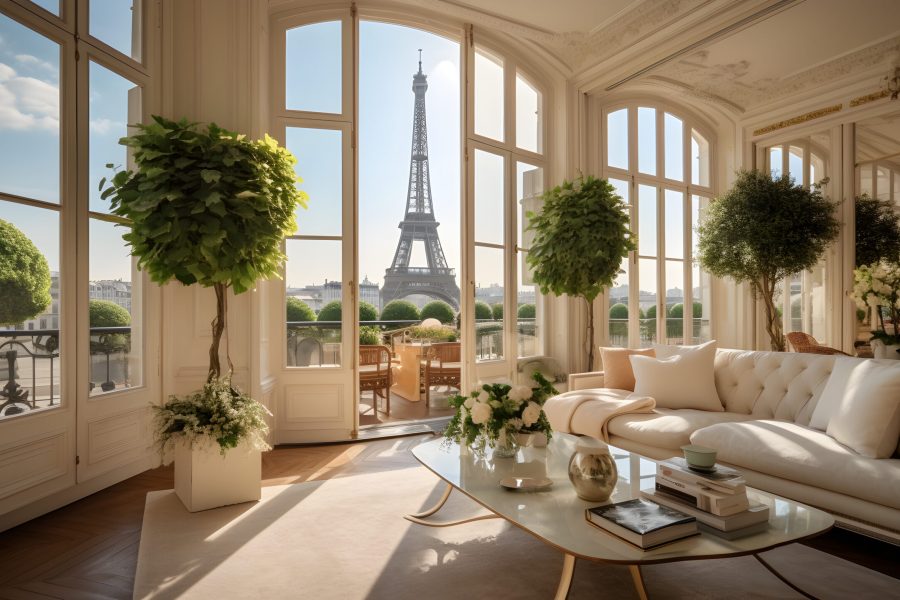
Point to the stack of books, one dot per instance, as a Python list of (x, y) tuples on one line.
[(643, 523), (717, 498)]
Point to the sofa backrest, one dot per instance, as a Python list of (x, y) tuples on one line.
[(772, 385)]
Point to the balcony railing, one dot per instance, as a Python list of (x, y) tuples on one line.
[(30, 369), (618, 331)]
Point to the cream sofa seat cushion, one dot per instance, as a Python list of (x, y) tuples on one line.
[(668, 428), (804, 455)]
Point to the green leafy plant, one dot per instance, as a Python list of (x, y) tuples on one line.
[(497, 311), (435, 334), (367, 312), (526, 311), (877, 286), (330, 312), (298, 310), (103, 313), (369, 336), (877, 231), (24, 277), (483, 311), (400, 310), (763, 230), (580, 238), (440, 310), (210, 207), (618, 320)]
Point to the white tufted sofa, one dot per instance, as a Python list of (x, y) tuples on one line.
[(764, 431)]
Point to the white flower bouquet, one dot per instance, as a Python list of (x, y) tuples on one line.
[(877, 286), (494, 414)]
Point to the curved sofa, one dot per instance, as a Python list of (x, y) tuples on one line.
[(768, 400)]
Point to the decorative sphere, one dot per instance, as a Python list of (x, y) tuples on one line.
[(592, 470), (431, 322)]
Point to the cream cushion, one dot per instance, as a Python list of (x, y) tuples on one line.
[(803, 455), (617, 372), (868, 413), (835, 390), (679, 377), (668, 428)]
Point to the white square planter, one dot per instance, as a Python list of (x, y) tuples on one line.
[(205, 479)]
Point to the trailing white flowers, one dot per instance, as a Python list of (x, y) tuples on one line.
[(877, 286)]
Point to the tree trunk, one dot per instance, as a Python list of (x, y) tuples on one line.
[(766, 291), (590, 333), (218, 326)]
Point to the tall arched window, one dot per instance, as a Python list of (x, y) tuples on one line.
[(659, 161)]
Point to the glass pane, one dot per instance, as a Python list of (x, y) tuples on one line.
[(319, 155), (529, 187), (114, 311), (699, 159), (814, 318), (115, 102), (865, 179), (622, 189), (647, 300), (674, 140), (529, 116), (49, 5), (701, 286), (488, 95), (647, 140), (488, 197), (775, 161), (817, 169), (674, 224), (674, 302), (646, 220), (318, 285), (617, 139), (528, 315), (897, 189), (29, 113), (618, 308), (29, 347), (117, 23), (488, 293), (883, 183), (314, 68), (795, 164)]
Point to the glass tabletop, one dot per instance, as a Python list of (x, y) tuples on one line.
[(556, 515)]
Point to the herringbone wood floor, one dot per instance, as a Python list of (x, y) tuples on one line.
[(89, 548)]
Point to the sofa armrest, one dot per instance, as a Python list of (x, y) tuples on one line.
[(584, 381)]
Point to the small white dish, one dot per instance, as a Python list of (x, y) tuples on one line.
[(529, 484)]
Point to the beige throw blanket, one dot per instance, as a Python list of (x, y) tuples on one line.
[(606, 404)]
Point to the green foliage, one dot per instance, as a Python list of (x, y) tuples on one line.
[(677, 310), (763, 230), (443, 333), (497, 311), (369, 335), (400, 310), (618, 311), (877, 231), (526, 311), (298, 310), (103, 313), (439, 310), (367, 312), (206, 206), (24, 277), (483, 311), (330, 312)]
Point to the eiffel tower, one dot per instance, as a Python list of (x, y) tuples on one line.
[(437, 279)]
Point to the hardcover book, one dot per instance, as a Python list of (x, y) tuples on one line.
[(642, 522), (723, 479), (754, 515)]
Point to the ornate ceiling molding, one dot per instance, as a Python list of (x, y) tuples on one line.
[(815, 114)]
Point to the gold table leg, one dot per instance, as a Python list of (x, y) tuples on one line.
[(418, 518), (565, 579), (638, 580), (781, 577)]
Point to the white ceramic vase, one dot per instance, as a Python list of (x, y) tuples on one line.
[(205, 478), (881, 350)]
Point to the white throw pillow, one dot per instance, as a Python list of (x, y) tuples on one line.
[(834, 391), (680, 377), (868, 417)]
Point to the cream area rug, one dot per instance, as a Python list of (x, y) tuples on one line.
[(346, 538)]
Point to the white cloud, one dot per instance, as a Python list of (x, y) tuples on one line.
[(34, 61), (27, 103), (104, 126)]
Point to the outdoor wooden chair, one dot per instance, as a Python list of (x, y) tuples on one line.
[(443, 366), (803, 342), (375, 374)]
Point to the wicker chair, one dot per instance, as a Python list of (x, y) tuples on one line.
[(375, 374), (803, 342), (442, 367)]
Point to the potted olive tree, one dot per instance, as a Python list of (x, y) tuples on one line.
[(763, 230), (580, 238), (210, 207)]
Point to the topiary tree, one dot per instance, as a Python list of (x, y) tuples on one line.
[(440, 310), (763, 230), (483, 311), (210, 207), (24, 277), (298, 310), (580, 239), (367, 312), (103, 313), (526, 311), (330, 312), (877, 231), (497, 311), (618, 311), (618, 320), (400, 310)]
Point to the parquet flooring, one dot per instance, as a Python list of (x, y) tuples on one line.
[(88, 550)]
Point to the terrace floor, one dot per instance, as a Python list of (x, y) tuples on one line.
[(403, 410)]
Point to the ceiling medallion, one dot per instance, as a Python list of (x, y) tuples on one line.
[(799, 119)]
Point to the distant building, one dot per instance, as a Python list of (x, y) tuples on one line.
[(112, 290), (317, 296), (49, 319)]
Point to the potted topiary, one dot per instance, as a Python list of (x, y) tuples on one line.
[(210, 207), (764, 230), (440, 310), (581, 237), (102, 314)]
